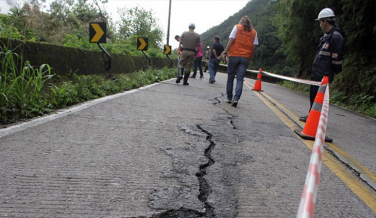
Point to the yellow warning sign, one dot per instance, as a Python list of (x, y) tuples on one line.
[(167, 49), (97, 31), (142, 44)]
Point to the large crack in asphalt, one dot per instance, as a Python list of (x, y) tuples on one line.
[(205, 188), (174, 195), (180, 213), (350, 168), (217, 103)]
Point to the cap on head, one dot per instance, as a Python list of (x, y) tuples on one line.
[(192, 25), (207, 46), (326, 13)]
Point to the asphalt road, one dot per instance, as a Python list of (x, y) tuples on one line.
[(169, 150)]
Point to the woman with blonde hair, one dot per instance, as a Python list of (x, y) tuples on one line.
[(240, 50)]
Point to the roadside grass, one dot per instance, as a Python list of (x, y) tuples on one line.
[(21, 94), (26, 91), (360, 103), (86, 87)]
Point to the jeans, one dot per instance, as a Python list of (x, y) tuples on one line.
[(198, 62), (236, 66), (213, 68)]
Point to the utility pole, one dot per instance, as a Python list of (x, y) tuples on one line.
[(168, 28)]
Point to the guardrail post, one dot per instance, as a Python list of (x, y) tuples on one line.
[(170, 61), (147, 58), (108, 62)]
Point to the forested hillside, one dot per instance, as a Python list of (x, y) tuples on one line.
[(269, 54), (288, 37)]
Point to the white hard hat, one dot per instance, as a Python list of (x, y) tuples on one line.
[(326, 13)]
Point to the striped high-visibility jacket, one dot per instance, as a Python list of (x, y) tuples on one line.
[(329, 56)]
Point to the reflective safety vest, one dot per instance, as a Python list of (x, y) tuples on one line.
[(243, 44), (329, 56), (179, 49)]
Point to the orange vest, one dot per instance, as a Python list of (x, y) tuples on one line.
[(179, 50), (243, 44)]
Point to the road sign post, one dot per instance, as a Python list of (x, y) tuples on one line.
[(142, 45), (97, 34)]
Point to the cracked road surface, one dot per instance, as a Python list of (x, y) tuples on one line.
[(164, 151)]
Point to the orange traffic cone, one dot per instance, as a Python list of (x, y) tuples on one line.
[(257, 86), (310, 128)]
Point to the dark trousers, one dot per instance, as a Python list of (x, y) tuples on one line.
[(198, 62)]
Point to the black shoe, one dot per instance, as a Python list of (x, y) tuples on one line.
[(234, 103), (211, 82), (186, 76), (193, 77), (303, 119), (178, 79), (180, 75), (228, 101)]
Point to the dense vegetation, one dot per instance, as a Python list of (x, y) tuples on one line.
[(288, 38), (27, 91), (269, 54), (67, 22)]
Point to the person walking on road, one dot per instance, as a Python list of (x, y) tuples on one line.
[(330, 52), (189, 40), (207, 57), (198, 62), (177, 38), (240, 50), (215, 58)]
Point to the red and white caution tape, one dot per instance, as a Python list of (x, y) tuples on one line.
[(309, 82), (309, 196)]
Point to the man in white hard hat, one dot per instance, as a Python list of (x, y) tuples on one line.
[(329, 56)]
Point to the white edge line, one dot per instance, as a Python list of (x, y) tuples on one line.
[(65, 112)]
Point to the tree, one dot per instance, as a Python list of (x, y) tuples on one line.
[(300, 34), (359, 69), (14, 25), (64, 17), (269, 54), (140, 22)]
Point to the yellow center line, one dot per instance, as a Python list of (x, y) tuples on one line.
[(353, 182)]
